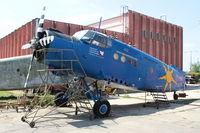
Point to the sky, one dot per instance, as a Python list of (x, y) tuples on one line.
[(185, 13)]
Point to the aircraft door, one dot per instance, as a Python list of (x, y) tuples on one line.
[(140, 72)]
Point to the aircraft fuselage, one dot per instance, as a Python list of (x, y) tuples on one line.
[(118, 63)]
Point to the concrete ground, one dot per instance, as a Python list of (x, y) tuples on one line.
[(128, 115)]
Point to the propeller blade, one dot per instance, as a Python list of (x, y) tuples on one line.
[(41, 24), (26, 46), (29, 69)]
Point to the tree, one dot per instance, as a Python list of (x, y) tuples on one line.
[(196, 67)]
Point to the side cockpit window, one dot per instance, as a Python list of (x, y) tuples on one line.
[(101, 41), (88, 37), (94, 38)]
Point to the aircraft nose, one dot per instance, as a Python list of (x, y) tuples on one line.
[(45, 41)]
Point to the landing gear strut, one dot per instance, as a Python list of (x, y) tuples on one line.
[(175, 96)]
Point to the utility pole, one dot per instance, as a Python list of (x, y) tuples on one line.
[(190, 60)]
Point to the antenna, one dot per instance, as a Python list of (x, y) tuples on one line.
[(99, 24), (123, 13), (163, 17)]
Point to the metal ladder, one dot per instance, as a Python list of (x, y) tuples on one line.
[(160, 98), (76, 91)]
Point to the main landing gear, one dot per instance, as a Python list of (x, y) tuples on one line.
[(101, 108)]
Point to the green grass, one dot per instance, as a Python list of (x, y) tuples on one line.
[(6, 94), (9, 95), (47, 99), (12, 96)]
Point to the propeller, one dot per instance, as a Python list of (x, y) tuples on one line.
[(29, 69), (39, 29), (34, 43)]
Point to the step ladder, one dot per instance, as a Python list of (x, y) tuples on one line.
[(160, 98), (77, 101)]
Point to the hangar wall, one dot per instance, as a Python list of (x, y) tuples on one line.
[(159, 38), (156, 37)]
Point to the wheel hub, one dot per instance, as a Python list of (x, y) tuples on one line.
[(103, 109)]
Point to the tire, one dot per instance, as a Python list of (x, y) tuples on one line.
[(175, 96), (23, 119), (59, 99), (101, 108), (32, 124)]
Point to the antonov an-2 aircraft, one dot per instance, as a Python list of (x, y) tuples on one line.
[(103, 58)]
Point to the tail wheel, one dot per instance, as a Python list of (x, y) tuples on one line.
[(175, 96), (60, 99), (101, 108)]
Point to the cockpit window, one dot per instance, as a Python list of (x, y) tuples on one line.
[(80, 34), (101, 41), (88, 35), (94, 38)]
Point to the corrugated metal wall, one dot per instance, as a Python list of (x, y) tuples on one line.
[(168, 47), (10, 45)]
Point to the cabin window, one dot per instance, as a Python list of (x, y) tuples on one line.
[(151, 70), (123, 59), (135, 63), (116, 56), (129, 61)]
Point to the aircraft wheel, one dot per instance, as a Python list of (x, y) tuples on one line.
[(101, 108), (175, 96), (59, 99), (23, 119), (32, 124)]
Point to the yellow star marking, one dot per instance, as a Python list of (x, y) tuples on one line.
[(168, 77)]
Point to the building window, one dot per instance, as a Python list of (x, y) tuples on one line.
[(163, 37), (151, 35), (157, 36), (169, 38), (144, 33), (174, 39)]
